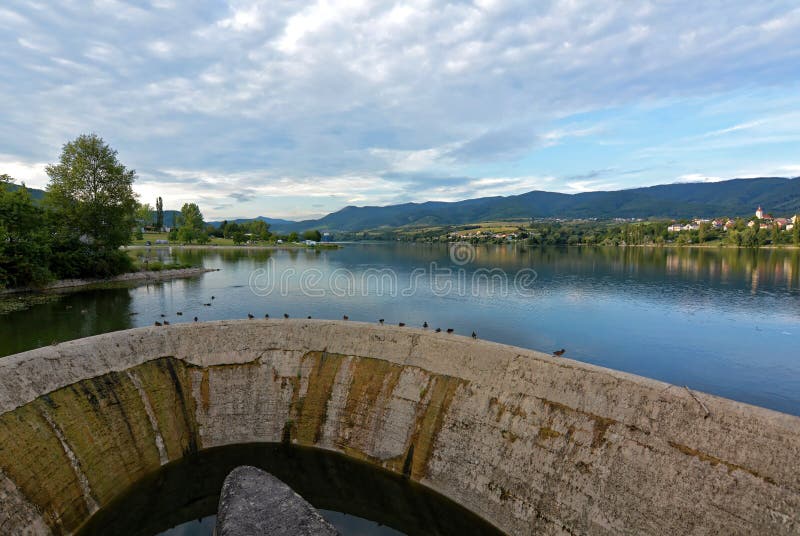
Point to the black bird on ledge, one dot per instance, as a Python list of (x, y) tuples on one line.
[(559, 353), (250, 316)]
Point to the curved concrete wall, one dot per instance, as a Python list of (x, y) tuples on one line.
[(534, 444)]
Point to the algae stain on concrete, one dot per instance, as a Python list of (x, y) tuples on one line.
[(162, 451), (168, 386), (309, 411), (33, 458)]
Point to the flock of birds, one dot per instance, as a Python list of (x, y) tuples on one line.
[(381, 321)]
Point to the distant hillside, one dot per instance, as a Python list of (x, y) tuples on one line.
[(736, 197), (274, 223), (35, 193)]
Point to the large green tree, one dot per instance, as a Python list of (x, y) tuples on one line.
[(90, 193), (191, 227)]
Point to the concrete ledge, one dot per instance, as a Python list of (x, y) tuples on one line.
[(254, 503), (532, 443)]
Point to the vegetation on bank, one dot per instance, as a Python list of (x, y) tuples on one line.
[(77, 229), (592, 233)]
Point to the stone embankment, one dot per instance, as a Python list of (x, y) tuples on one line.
[(144, 276)]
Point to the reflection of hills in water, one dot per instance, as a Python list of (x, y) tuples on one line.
[(662, 272), (693, 316)]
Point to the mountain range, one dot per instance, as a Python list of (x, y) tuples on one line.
[(735, 197)]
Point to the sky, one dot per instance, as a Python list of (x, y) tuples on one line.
[(297, 109)]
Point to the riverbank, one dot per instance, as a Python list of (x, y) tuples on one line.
[(144, 275), (246, 247)]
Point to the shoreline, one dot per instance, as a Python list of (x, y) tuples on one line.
[(147, 275), (329, 245)]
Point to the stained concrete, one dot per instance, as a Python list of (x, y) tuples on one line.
[(532, 443), (254, 502)]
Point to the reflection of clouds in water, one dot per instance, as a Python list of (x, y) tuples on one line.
[(348, 525), (197, 527)]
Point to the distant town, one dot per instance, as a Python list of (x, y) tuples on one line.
[(762, 219)]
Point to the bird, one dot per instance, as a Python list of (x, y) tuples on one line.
[(179, 313), (345, 317), (449, 330), (266, 315), (559, 353), (213, 297), (195, 319), (166, 322), (474, 335), (250, 316), (425, 325), (163, 315), (438, 330), (401, 324), (380, 321), (207, 304), (285, 315), (309, 317), (157, 323)]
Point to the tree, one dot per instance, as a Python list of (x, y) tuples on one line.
[(239, 238), (159, 214), (796, 231), (144, 215), (24, 248), (259, 229), (191, 227), (312, 235), (90, 193)]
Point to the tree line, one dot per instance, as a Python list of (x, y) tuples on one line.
[(599, 233), (88, 213), (76, 231)]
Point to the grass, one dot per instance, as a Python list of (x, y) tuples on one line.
[(152, 237)]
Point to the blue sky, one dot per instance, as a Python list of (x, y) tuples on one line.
[(296, 109)]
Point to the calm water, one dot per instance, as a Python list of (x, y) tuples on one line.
[(722, 321)]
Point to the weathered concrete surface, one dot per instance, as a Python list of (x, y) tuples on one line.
[(534, 444), (253, 503)]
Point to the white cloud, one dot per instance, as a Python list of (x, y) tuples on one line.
[(33, 175), (338, 96)]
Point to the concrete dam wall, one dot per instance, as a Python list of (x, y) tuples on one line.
[(534, 444)]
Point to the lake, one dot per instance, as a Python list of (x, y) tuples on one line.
[(723, 321)]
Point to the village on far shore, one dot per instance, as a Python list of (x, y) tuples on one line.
[(762, 219)]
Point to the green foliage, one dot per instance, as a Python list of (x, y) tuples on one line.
[(24, 247), (90, 193), (88, 213), (239, 238), (159, 213), (78, 260), (144, 216), (796, 231), (312, 235), (191, 227)]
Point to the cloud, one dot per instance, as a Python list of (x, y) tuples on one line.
[(280, 102)]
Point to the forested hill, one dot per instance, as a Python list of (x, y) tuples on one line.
[(736, 197), (35, 193)]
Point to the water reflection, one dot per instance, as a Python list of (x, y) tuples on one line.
[(725, 321), (181, 493)]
